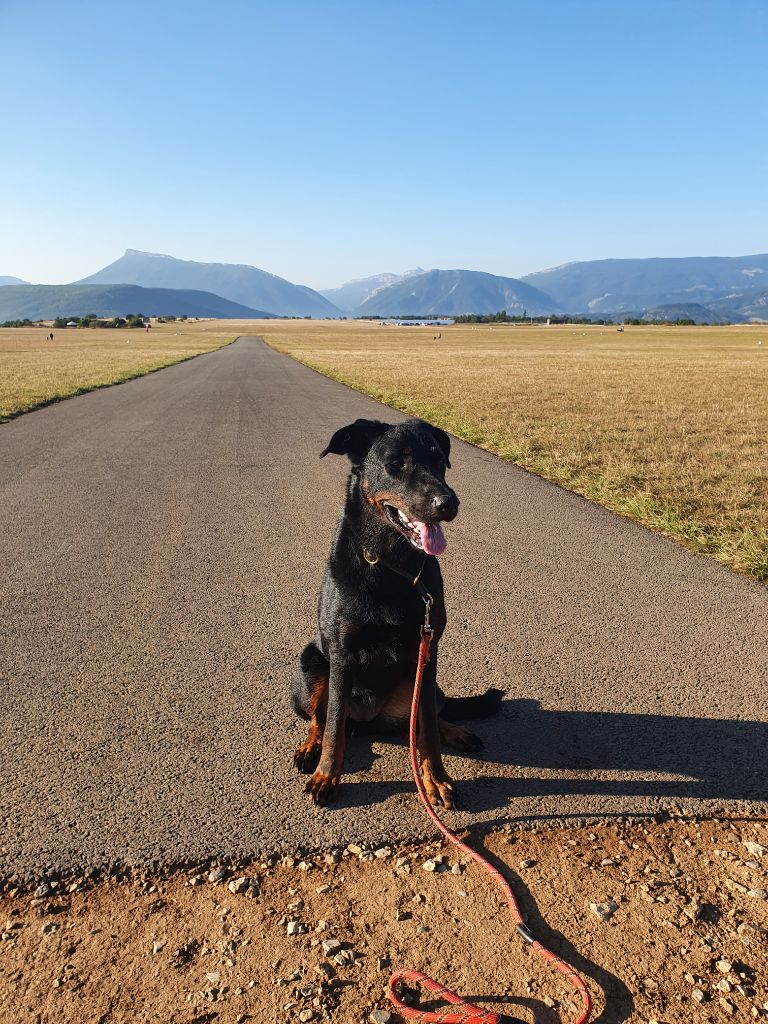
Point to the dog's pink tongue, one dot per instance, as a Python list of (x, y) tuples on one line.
[(432, 538)]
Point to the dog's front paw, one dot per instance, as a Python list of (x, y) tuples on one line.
[(441, 791), (321, 788)]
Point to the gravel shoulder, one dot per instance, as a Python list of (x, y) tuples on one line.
[(667, 921)]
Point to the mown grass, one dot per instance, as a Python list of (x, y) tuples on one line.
[(667, 426), (35, 372)]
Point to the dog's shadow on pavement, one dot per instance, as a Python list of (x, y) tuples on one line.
[(610, 754), (644, 759)]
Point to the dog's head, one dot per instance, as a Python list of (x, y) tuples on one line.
[(400, 470)]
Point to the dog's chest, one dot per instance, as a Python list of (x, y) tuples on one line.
[(381, 663)]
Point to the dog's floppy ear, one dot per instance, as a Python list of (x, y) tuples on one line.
[(354, 440), (443, 442)]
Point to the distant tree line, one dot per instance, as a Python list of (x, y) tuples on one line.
[(91, 320), (502, 317), (679, 322)]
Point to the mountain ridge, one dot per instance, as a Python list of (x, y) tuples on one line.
[(723, 287), (454, 292), (238, 282), (619, 285), (354, 293)]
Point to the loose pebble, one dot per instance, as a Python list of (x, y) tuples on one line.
[(604, 911), (381, 1017), (755, 849)]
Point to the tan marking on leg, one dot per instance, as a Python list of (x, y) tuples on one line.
[(307, 754)]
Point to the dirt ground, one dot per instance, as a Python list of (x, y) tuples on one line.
[(666, 920)]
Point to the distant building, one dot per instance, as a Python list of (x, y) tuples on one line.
[(72, 323)]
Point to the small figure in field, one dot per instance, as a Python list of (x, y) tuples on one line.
[(51, 336)]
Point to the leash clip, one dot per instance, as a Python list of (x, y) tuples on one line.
[(426, 629)]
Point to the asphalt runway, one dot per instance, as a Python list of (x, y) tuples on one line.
[(162, 545)]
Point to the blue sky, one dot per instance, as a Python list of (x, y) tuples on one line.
[(324, 141)]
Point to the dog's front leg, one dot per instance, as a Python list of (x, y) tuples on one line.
[(440, 789), (322, 785)]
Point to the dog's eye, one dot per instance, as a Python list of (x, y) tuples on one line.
[(395, 465)]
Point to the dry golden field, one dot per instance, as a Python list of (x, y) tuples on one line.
[(666, 425), (34, 371)]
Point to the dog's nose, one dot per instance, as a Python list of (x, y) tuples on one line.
[(446, 505)]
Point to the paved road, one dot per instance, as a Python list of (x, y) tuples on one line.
[(162, 544)]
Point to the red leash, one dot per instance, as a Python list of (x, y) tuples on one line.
[(467, 1013)]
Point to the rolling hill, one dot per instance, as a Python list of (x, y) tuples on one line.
[(237, 282), (609, 286), (5, 281), (452, 292), (354, 293), (47, 301)]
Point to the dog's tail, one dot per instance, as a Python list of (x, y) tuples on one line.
[(482, 706)]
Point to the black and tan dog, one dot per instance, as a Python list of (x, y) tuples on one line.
[(362, 664)]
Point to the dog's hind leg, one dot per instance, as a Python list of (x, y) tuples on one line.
[(309, 691), (451, 709), (457, 736)]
